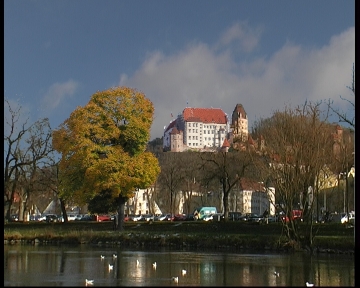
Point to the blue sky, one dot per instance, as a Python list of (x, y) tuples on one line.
[(261, 54)]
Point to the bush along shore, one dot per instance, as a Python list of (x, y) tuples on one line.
[(231, 236)]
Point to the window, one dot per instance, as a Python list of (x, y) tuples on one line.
[(143, 196)]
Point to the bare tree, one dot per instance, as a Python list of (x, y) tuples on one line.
[(25, 147), (191, 180), (171, 176), (343, 116), (298, 145), (226, 169)]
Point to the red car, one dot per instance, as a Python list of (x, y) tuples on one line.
[(179, 217), (102, 218)]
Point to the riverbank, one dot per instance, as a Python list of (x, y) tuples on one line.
[(234, 236)]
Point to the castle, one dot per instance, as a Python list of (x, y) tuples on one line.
[(206, 129)]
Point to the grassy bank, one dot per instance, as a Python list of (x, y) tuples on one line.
[(199, 235)]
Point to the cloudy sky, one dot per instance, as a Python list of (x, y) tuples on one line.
[(261, 54)]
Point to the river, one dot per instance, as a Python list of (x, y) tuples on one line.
[(26, 265)]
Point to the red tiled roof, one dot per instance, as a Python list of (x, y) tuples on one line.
[(226, 143), (205, 115)]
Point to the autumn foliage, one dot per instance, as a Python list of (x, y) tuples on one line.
[(102, 146)]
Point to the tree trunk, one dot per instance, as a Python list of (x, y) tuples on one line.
[(121, 213), (63, 209)]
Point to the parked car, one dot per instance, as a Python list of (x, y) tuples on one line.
[(148, 217), (35, 217), (48, 217), (190, 217), (51, 218), (102, 218), (71, 217), (88, 217), (78, 217), (165, 217), (213, 217), (252, 217), (207, 217), (179, 217), (14, 217), (136, 217), (348, 218)]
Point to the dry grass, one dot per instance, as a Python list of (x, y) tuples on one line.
[(195, 234)]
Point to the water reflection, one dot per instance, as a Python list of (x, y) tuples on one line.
[(70, 266)]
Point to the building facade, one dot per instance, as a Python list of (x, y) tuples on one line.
[(200, 129)]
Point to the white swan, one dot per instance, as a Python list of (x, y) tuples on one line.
[(89, 282), (183, 272), (114, 256), (309, 284), (111, 267), (175, 279), (102, 256), (154, 265)]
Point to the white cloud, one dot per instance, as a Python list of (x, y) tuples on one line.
[(205, 78), (57, 94), (241, 35)]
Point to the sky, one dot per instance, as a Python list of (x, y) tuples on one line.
[(262, 54)]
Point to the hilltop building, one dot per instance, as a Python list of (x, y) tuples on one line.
[(205, 129)]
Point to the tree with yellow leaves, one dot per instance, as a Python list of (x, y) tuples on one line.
[(102, 148)]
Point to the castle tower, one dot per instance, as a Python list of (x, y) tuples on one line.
[(239, 123)]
